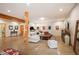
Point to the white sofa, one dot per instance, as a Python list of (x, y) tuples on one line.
[(33, 37)]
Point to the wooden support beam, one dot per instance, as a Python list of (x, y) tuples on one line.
[(26, 21), (8, 17)]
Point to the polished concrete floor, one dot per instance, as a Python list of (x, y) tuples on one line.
[(40, 48), (77, 47), (64, 49)]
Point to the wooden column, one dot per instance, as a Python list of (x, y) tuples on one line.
[(26, 27)]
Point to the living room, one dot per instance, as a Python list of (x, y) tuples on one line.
[(41, 28), (53, 22)]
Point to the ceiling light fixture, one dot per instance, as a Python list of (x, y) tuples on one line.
[(60, 10), (9, 11), (28, 4), (42, 18)]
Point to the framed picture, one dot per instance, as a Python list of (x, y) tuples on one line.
[(32, 28), (68, 25), (57, 27), (49, 27), (10, 27), (43, 27), (16, 27), (37, 28)]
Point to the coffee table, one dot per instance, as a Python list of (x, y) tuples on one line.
[(45, 37)]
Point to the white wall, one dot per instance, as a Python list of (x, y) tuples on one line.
[(2, 21), (13, 23), (7, 28), (49, 22), (72, 20), (61, 27)]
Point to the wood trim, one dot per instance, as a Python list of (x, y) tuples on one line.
[(75, 38), (8, 17)]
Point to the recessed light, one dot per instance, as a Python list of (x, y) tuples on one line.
[(28, 4), (42, 18), (60, 10), (9, 11)]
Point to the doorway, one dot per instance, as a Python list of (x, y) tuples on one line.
[(76, 39), (2, 30)]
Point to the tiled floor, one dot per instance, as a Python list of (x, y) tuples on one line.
[(40, 48)]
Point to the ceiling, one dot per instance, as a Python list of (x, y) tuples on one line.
[(37, 10), (50, 10), (16, 9)]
